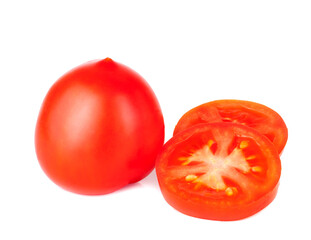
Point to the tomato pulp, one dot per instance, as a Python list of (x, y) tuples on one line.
[(100, 127), (251, 114), (219, 171)]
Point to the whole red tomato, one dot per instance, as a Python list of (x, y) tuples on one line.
[(100, 128)]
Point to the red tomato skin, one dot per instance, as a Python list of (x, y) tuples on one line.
[(210, 212), (100, 128)]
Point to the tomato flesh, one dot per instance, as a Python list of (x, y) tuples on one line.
[(251, 114), (100, 128), (219, 171)]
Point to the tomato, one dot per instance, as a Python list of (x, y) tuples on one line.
[(255, 115), (219, 171), (100, 128)]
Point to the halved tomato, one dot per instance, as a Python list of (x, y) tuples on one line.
[(255, 115), (219, 171)]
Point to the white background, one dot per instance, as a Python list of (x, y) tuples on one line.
[(190, 52)]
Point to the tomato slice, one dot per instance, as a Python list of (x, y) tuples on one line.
[(255, 115), (219, 171)]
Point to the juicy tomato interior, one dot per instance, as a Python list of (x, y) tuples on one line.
[(251, 114), (219, 171)]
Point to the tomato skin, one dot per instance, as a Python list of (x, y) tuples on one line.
[(255, 115), (214, 204), (214, 212), (100, 128)]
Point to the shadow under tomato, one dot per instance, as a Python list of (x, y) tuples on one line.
[(151, 180), (129, 187)]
